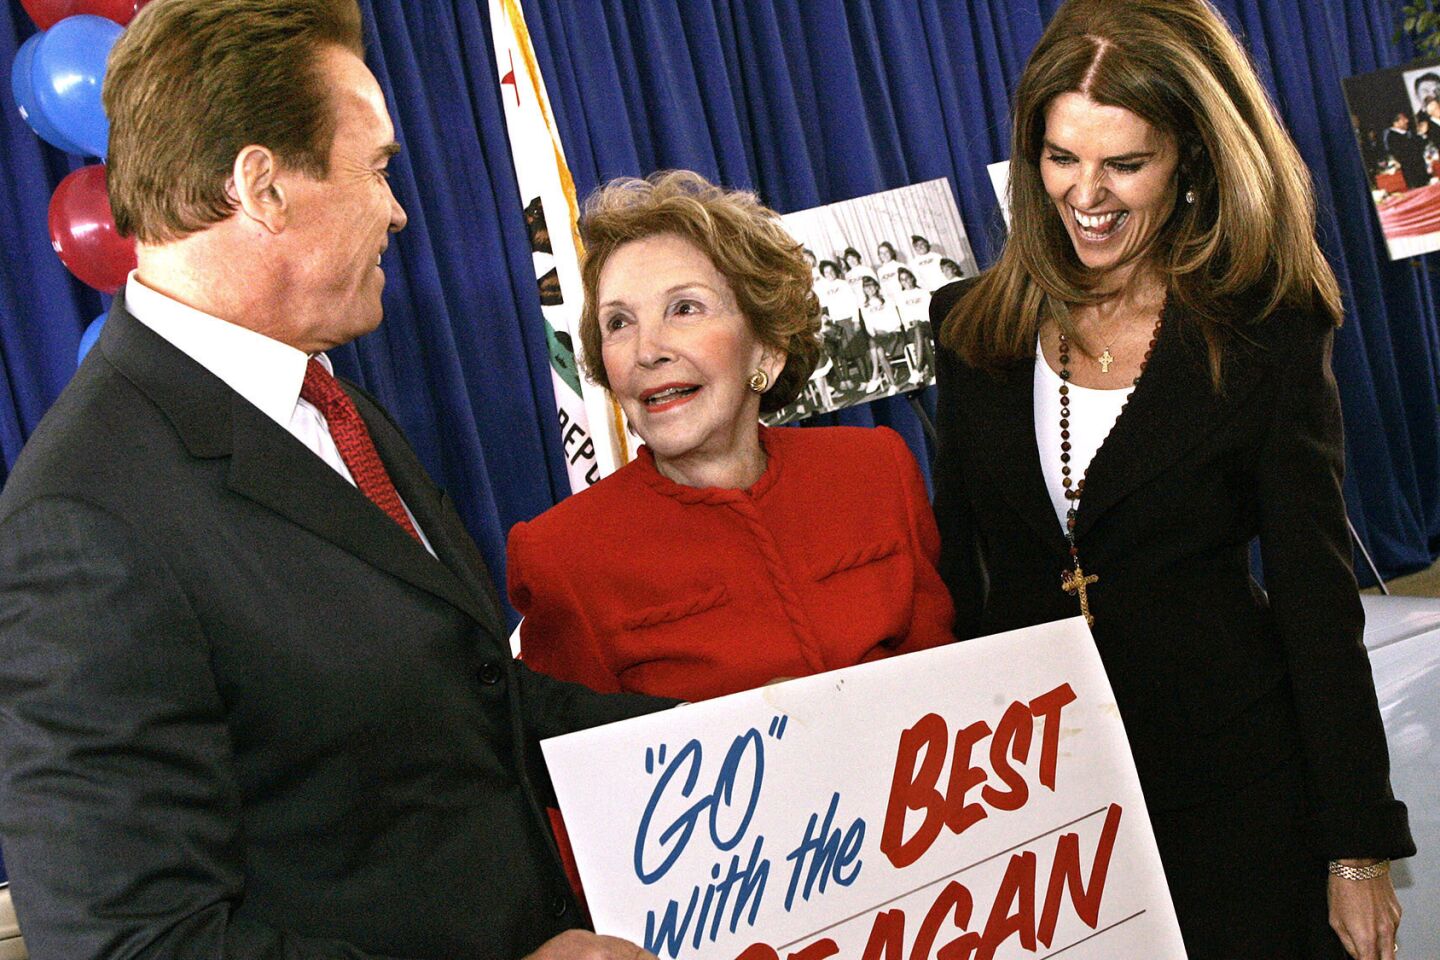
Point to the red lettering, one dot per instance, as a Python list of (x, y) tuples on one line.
[(758, 951), (915, 790), (818, 950), (1012, 738), (953, 898), (915, 782), (1065, 873), (1048, 706), (962, 947), (959, 815), (1018, 882), (887, 937)]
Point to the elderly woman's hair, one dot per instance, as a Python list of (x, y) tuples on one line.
[(1242, 250), (743, 239)]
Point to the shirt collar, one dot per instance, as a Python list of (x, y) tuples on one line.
[(264, 371)]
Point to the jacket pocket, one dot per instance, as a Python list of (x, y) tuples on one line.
[(855, 558), (677, 609)]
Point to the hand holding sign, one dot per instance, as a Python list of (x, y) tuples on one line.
[(584, 945)]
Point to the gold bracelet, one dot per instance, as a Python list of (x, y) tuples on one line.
[(1377, 869)]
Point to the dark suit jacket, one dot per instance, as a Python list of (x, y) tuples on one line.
[(1217, 682), (1408, 149), (242, 713)]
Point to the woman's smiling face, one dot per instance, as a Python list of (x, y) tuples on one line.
[(1112, 177), (678, 352)]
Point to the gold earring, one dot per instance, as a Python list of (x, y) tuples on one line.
[(759, 381)]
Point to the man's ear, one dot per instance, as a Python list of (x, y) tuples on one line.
[(256, 189)]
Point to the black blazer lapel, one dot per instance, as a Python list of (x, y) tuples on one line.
[(1000, 413), (1173, 408), (272, 468), (452, 543), (267, 464)]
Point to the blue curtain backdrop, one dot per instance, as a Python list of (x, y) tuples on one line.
[(806, 101)]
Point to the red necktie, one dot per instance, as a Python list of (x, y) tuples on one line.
[(353, 441)]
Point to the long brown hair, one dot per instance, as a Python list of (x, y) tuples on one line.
[(1242, 250)]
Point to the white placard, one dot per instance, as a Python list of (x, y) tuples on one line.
[(829, 815)]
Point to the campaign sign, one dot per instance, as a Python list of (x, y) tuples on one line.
[(970, 802)]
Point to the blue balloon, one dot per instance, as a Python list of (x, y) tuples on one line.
[(22, 86), (88, 338), (69, 69)]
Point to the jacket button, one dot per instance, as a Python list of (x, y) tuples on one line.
[(490, 673), (559, 905)]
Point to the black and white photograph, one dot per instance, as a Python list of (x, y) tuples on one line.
[(876, 260)]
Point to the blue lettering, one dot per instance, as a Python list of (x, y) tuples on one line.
[(672, 935), (746, 882), (716, 803), (691, 751), (828, 854)]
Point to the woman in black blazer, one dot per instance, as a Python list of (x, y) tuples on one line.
[(1180, 403)]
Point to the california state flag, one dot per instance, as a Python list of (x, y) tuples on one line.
[(590, 420)]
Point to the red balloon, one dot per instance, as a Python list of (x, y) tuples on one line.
[(83, 232), (47, 13)]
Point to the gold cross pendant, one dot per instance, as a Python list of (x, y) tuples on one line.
[(1105, 360), (1075, 581)]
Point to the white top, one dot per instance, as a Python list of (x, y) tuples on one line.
[(855, 276), (914, 306), (886, 273), (264, 371), (1092, 416), (881, 317), (835, 296), (926, 268)]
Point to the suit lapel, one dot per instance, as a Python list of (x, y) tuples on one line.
[(1001, 415), (273, 469), (448, 537), (1172, 409)]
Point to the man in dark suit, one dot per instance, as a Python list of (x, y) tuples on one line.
[(1408, 149), (255, 691)]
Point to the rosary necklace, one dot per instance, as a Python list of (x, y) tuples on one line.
[(1076, 580)]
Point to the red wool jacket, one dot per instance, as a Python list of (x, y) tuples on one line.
[(641, 584)]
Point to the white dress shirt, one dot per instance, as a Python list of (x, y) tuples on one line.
[(264, 371)]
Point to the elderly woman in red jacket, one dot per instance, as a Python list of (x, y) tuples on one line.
[(727, 554)]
